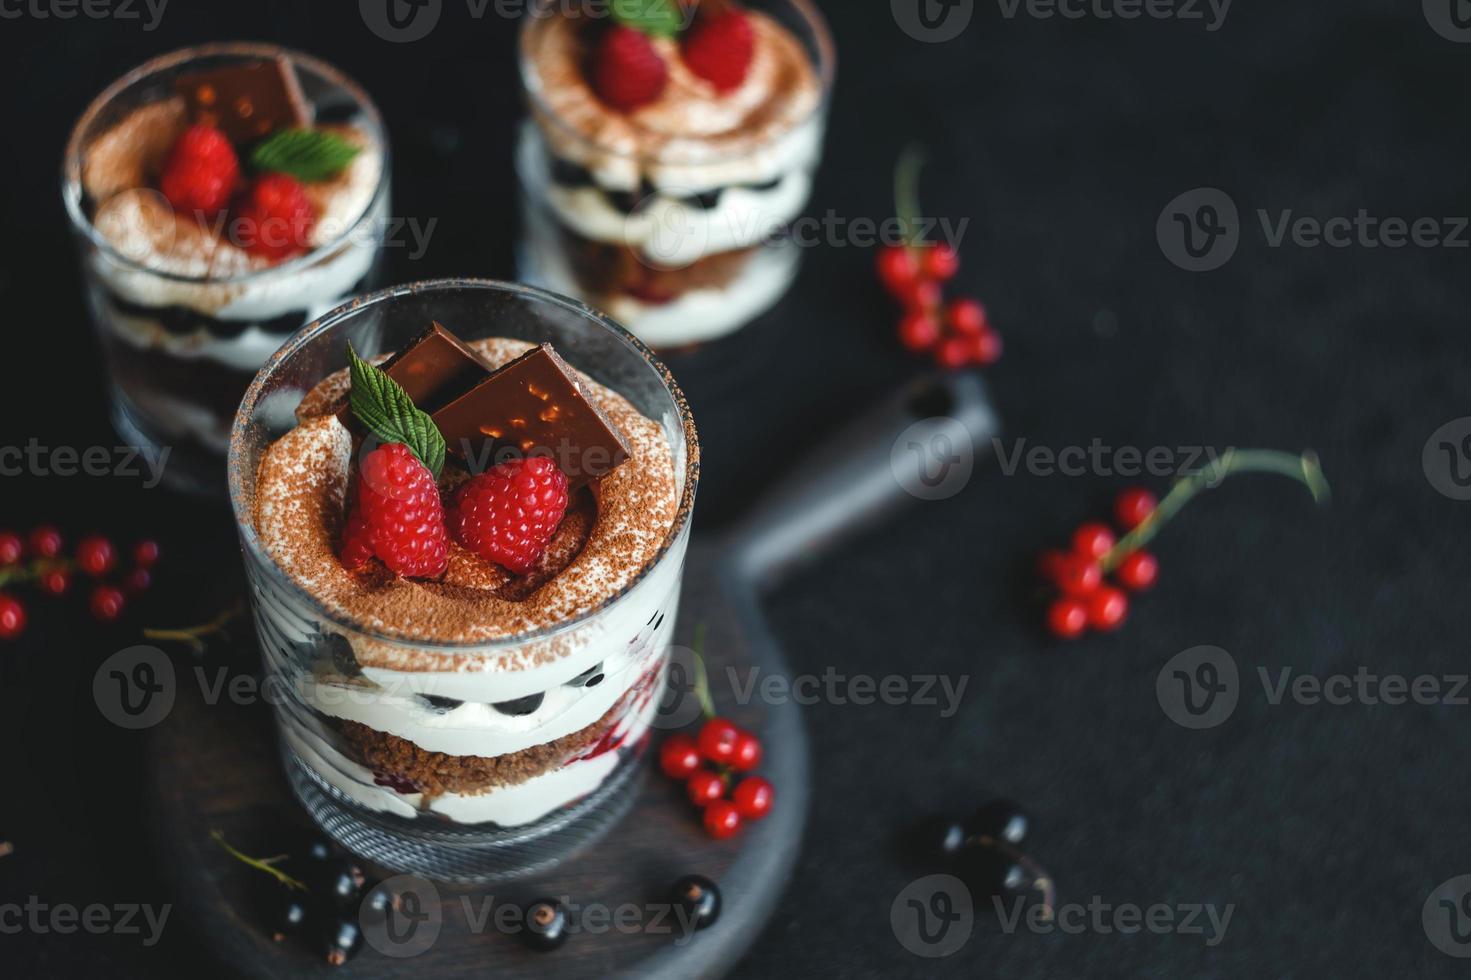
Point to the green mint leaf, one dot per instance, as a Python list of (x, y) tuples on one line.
[(387, 411), (306, 154), (660, 18)]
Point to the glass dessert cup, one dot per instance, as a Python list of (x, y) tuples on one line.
[(675, 217), (515, 790), (184, 317)]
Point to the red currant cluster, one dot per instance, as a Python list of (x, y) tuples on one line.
[(955, 333), (731, 750), (1087, 600), (95, 556)]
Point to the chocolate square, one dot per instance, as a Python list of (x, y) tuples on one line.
[(435, 368), (533, 406), (246, 101)]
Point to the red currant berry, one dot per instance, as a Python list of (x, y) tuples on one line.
[(12, 617), (1092, 540), (747, 754), (45, 542), (1133, 506), (55, 582), (966, 316), (704, 787), (1067, 617), (717, 740), (953, 352), (106, 603), (924, 294), (145, 553), (1079, 576), (137, 581), (96, 555), (897, 269), (722, 819), (918, 331), (1107, 608), (939, 262), (11, 548), (752, 797), (679, 757), (1138, 571), (985, 347)]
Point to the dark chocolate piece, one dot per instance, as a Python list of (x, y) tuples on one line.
[(435, 369), (533, 406), (246, 101)]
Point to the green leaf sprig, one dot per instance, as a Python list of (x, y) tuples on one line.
[(387, 411), (306, 154), (658, 18)]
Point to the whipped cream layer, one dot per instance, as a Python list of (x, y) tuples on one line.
[(692, 138)]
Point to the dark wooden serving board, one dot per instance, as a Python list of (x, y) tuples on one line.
[(216, 766)]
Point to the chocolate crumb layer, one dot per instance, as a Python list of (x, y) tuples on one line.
[(436, 773), (610, 535)]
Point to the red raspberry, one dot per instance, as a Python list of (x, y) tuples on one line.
[(398, 503), (357, 541), (627, 70), (508, 514), (201, 171), (719, 49), (276, 218)]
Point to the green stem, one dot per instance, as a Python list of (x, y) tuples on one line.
[(257, 863), (194, 635), (1304, 468), (702, 679), (906, 190)]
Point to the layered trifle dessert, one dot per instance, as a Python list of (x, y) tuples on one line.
[(467, 560), (222, 197), (669, 151)]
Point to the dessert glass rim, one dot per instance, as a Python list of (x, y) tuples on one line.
[(73, 193), (241, 483), (531, 82)]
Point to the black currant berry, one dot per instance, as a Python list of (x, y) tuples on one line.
[(339, 882), (520, 706), (291, 916), (546, 925), (343, 940), (378, 902), (699, 899), (1000, 820)]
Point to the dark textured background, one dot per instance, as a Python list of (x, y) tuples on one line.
[(1062, 140)]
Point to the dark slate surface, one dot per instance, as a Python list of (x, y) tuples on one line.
[(1325, 827)]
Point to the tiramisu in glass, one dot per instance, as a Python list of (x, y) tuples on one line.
[(469, 627), (221, 197), (668, 153)]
